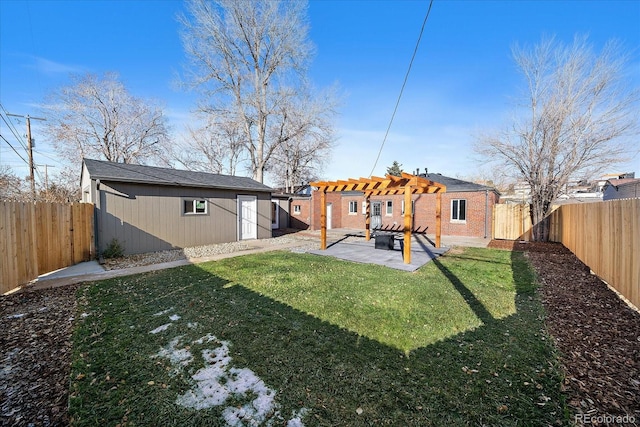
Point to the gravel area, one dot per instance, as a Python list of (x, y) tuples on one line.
[(127, 261)]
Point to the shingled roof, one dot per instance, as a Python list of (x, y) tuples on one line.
[(139, 174), (456, 185)]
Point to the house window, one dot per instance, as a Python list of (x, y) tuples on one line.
[(413, 207), (389, 207), (353, 207), (296, 209), (194, 207), (458, 210)]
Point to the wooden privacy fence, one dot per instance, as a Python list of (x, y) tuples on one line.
[(606, 237), (511, 222), (42, 237)]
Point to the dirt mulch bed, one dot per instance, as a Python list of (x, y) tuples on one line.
[(35, 355), (597, 334)]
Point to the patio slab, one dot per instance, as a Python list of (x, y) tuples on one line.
[(357, 249)]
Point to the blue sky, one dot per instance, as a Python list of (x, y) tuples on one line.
[(462, 81)]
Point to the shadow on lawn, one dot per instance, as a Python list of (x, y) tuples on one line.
[(497, 374)]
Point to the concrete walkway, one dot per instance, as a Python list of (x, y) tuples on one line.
[(91, 270)]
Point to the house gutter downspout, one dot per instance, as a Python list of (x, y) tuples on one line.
[(97, 212), (486, 210)]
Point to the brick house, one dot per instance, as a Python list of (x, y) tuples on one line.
[(466, 209), (300, 214)]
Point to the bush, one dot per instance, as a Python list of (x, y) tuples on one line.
[(113, 250)]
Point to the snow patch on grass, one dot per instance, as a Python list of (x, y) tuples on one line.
[(177, 356), (160, 328), (174, 317), (217, 382), (163, 312)]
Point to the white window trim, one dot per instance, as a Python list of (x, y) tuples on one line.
[(193, 201), (387, 204), (297, 209), (413, 208), (458, 221), (353, 204)]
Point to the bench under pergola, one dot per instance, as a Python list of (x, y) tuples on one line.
[(406, 184)]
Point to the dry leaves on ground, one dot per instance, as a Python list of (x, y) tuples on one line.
[(35, 350), (597, 334)]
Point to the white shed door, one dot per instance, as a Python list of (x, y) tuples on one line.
[(247, 217)]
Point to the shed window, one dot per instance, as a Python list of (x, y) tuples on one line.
[(194, 206), (353, 207), (296, 209), (458, 210)]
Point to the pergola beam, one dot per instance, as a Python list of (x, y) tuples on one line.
[(376, 186)]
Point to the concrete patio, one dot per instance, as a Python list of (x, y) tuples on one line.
[(351, 245)]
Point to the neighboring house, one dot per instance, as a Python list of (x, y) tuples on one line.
[(300, 217), (466, 209), (152, 209), (291, 211), (626, 188)]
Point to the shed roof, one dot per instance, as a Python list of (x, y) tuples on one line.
[(153, 175)]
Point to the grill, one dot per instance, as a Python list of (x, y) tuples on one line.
[(384, 241)]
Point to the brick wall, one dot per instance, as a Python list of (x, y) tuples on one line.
[(479, 206), (335, 199), (302, 220)]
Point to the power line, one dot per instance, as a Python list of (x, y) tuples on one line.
[(12, 127), (406, 77), (32, 179), (14, 150)]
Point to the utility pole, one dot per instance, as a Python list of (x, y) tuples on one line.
[(46, 178), (30, 150)]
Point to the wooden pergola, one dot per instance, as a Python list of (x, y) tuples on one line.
[(375, 186)]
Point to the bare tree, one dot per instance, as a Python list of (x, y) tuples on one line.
[(306, 139), (61, 188), (214, 147), (249, 59), (97, 117), (12, 188), (575, 120)]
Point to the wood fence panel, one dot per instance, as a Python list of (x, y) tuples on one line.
[(606, 237), (42, 237), (82, 232), (17, 243), (511, 222)]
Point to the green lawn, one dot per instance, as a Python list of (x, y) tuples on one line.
[(301, 339)]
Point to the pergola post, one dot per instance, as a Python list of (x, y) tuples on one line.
[(438, 218), (407, 225), (409, 184), (367, 220), (323, 219)]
